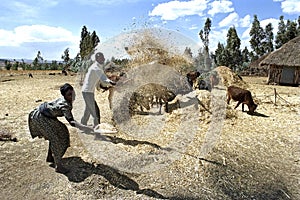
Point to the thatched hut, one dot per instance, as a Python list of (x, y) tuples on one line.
[(284, 64)]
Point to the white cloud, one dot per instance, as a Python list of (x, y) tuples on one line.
[(194, 27), (217, 36), (291, 6), (222, 6), (39, 36), (231, 19), (34, 33), (175, 9), (246, 21)]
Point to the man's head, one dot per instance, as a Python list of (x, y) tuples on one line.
[(99, 57)]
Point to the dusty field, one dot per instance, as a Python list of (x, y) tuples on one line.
[(254, 157)]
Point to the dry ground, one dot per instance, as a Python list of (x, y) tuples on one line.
[(255, 157)]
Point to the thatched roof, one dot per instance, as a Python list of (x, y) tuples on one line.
[(256, 63), (287, 55)]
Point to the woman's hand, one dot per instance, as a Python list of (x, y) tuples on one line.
[(83, 127)]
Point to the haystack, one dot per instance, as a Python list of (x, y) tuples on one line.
[(228, 77)]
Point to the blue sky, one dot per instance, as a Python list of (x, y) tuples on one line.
[(51, 26)]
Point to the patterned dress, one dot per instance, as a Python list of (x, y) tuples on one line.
[(43, 122)]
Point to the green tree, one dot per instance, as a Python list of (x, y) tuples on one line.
[(221, 57), (233, 49), (54, 65), (269, 37), (257, 37), (7, 64), (291, 30), (95, 39), (204, 36), (66, 58), (88, 42), (281, 38), (35, 63), (218, 54), (38, 61), (15, 65), (245, 55)]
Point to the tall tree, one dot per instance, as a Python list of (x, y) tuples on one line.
[(221, 56), (66, 58), (204, 35), (291, 30), (95, 39), (245, 55), (257, 36), (281, 38), (269, 37), (38, 61), (233, 48), (88, 42)]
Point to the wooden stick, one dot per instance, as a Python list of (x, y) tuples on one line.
[(275, 93)]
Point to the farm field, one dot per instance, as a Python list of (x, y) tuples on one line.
[(253, 157)]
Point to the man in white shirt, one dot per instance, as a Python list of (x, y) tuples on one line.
[(94, 75)]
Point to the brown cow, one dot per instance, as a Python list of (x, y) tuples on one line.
[(192, 77), (242, 96), (145, 96)]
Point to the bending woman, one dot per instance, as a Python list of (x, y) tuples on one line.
[(43, 122)]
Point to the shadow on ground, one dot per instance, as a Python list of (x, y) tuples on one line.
[(80, 170)]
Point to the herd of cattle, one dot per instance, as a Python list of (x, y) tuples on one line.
[(147, 95)]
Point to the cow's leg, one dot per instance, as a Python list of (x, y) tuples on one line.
[(167, 107), (141, 107), (160, 105), (228, 99), (237, 105), (243, 107)]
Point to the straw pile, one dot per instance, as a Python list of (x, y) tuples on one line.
[(229, 77)]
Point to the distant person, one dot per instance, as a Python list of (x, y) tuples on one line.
[(95, 74), (43, 122)]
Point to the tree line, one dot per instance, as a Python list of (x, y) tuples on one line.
[(262, 41)]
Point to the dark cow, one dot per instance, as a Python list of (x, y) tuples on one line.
[(192, 77), (242, 96)]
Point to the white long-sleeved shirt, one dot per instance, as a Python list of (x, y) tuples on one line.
[(95, 73)]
